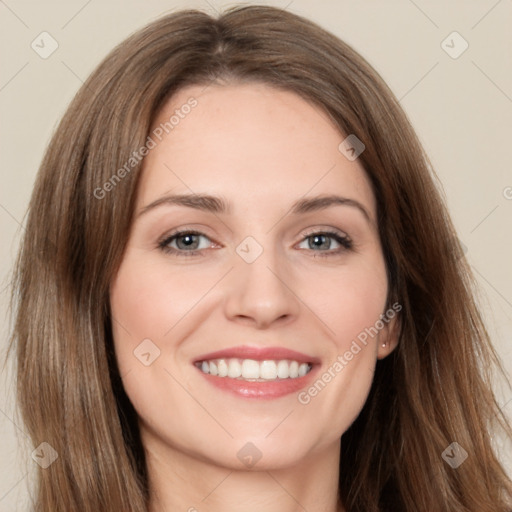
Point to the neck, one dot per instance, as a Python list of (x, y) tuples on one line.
[(180, 481)]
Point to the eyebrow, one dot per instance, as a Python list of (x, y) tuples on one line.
[(216, 204)]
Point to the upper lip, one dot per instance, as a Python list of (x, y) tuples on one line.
[(258, 354)]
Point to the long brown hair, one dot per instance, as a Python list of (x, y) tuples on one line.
[(435, 389)]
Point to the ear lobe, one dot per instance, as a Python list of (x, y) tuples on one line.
[(388, 338)]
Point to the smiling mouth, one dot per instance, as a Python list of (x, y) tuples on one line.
[(254, 371)]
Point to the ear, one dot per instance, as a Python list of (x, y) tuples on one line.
[(387, 340)]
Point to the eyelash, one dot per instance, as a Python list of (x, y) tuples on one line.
[(344, 241)]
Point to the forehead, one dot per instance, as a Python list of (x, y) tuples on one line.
[(251, 143)]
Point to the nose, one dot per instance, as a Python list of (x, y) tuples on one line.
[(261, 293)]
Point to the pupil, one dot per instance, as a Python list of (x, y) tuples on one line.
[(318, 238), (187, 240)]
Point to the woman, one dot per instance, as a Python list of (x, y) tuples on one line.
[(249, 370)]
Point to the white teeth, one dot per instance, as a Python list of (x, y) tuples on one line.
[(303, 369), (251, 369), (268, 370), (213, 368), (283, 370), (222, 367), (234, 369)]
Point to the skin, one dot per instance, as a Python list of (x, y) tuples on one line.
[(261, 149)]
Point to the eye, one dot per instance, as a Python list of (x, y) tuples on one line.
[(186, 243), (323, 240)]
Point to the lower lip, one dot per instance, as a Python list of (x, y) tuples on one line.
[(260, 390)]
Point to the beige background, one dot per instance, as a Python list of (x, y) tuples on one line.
[(461, 109)]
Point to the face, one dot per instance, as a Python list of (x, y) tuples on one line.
[(260, 323)]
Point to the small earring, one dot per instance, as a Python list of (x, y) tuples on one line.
[(384, 345)]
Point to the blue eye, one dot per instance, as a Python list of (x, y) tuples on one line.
[(187, 243), (324, 238)]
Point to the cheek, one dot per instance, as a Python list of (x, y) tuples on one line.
[(351, 301), (148, 299), (354, 299)]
